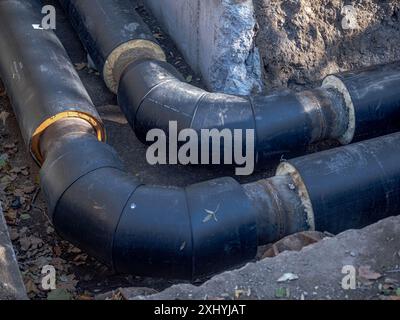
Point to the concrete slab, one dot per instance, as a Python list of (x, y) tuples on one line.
[(217, 39), (11, 284), (373, 252)]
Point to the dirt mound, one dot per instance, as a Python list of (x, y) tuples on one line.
[(302, 41)]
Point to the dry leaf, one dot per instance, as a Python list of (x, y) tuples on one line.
[(74, 250), (282, 293), (365, 272), (9, 146), (57, 251), (3, 116), (158, 36), (31, 287), (14, 235), (32, 243), (59, 295), (25, 216), (80, 66), (29, 189)]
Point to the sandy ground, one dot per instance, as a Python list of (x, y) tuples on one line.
[(357, 264), (303, 41)]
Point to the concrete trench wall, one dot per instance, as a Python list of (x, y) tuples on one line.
[(11, 284), (244, 46), (217, 38)]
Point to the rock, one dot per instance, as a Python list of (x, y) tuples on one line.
[(320, 266)]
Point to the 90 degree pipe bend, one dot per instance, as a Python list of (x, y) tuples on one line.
[(348, 107), (187, 233)]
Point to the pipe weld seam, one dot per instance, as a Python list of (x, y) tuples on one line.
[(118, 223)]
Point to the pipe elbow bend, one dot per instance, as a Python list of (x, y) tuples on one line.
[(86, 189), (223, 111), (186, 233), (138, 80), (152, 94)]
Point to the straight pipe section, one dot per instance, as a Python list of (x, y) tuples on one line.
[(372, 98), (114, 35), (41, 81), (352, 186)]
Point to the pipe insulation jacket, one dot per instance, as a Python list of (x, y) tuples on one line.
[(92, 201), (117, 40), (151, 93), (189, 232), (38, 70), (348, 187)]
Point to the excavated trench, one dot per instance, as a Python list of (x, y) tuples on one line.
[(301, 42), (321, 215)]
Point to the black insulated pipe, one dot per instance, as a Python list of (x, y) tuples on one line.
[(371, 98), (350, 186), (151, 93), (114, 43), (188, 232), (45, 67)]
